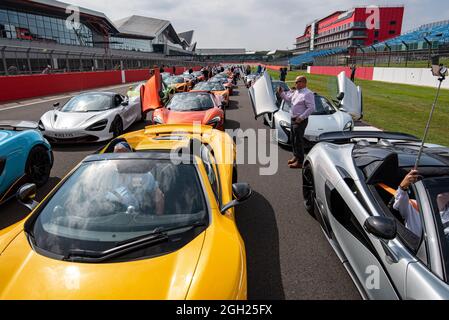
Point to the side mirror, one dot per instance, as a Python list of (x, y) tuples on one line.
[(26, 195), (381, 227), (56, 105), (124, 103), (384, 229), (241, 192), (340, 96)]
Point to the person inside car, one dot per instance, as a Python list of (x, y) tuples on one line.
[(409, 209), (132, 187)]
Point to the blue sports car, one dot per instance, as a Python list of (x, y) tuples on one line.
[(25, 156)]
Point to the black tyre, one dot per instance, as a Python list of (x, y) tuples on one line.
[(117, 127), (308, 190), (38, 166)]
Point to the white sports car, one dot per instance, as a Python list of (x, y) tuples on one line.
[(326, 118), (90, 117)]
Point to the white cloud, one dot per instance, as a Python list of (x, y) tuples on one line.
[(252, 24)]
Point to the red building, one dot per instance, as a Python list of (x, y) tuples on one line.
[(361, 26)]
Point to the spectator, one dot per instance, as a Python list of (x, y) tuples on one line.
[(282, 74), (12, 70), (353, 70), (248, 69), (303, 105), (47, 70)]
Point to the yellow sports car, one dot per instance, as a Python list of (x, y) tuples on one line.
[(155, 223)]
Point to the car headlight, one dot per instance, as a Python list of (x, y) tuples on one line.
[(98, 126), (284, 124), (214, 121), (41, 126), (157, 120), (348, 126)]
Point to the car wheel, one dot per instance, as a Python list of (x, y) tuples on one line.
[(38, 166), (308, 190), (117, 127)]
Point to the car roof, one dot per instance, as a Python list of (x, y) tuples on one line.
[(433, 162)]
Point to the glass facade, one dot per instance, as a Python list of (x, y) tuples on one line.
[(28, 26), (131, 44)]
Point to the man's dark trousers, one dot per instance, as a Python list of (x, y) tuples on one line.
[(297, 138)]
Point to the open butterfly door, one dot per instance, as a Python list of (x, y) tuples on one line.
[(149, 92)]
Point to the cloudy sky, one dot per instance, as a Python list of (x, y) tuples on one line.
[(253, 24)]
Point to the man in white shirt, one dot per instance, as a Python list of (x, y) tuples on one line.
[(409, 208)]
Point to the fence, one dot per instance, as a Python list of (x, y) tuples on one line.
[(29, 60), (386, 58)]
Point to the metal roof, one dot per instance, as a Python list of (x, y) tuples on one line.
[(63, 6), (147, 27), (187, 36)]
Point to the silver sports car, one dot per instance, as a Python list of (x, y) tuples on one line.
[(327, 117), (349, 187), (90, 117)]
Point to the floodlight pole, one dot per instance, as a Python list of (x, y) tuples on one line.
[(426, 131)]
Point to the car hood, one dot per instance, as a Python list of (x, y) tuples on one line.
[(182, 117), (319, 124), (58, 120), (6, 134), (28, 275)]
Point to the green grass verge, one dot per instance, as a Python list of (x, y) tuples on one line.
[(391, 107)]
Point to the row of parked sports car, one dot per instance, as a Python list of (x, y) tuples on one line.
[(171, 225)]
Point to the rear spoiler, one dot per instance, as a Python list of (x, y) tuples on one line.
[(19, 125), (346, 136)]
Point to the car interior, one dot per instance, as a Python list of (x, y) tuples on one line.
[(383, 175)]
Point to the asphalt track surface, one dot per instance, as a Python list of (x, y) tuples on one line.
[(288, 256)]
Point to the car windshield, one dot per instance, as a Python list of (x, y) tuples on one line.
[(438, 191), (110, 201), (322, 106), (174, 80), (88, 103), (277, 84), (209, 86), (190, 102)]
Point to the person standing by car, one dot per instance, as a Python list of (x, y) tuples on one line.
[(303, 105)]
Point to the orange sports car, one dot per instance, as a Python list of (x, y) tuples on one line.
[(191, 107), (179, 83), (216, 88)]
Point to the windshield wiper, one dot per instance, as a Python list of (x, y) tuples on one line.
[(155, 237)]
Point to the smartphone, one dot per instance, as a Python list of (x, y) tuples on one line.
[(439, 70)]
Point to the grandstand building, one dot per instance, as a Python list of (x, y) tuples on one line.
[(349, 30), (34, 34)]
